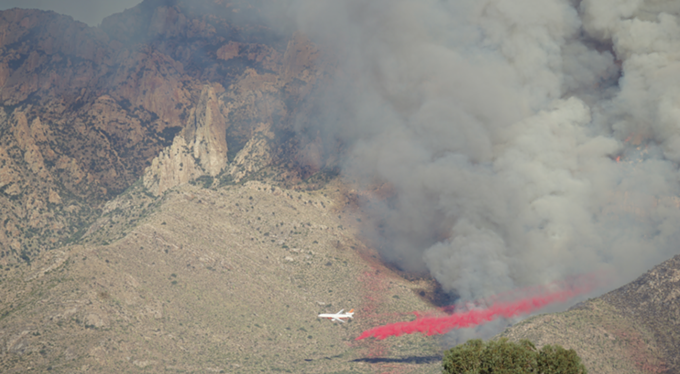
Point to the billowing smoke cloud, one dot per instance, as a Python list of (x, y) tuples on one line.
[(524, 140)]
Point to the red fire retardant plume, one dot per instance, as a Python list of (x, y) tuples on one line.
[(442, 325)]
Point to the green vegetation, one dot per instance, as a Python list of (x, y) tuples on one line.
[(204, 181), (504, 356)]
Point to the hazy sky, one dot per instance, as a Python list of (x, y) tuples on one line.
[(89, 11)]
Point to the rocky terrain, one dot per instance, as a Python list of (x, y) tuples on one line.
[(225, 279), (167, 86), (634, 329), (163, 211), (160, 213)]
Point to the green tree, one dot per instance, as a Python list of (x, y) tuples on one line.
[(505, 357), (554, 359)]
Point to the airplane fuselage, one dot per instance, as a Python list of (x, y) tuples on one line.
[(339, 316)]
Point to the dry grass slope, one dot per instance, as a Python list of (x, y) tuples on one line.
[(210, 280), (633, 329)]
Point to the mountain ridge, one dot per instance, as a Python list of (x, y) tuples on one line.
[(163, 204), (84, 115)]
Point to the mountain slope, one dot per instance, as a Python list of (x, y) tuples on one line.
[(135, 234), (201, 280), (86, 110), (633, 329)]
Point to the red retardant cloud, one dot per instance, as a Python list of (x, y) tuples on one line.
[(441, 325)]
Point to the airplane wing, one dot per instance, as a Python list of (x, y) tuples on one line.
[(338, 320), (340, 312)]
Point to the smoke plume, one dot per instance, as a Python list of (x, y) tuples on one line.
[(524, 140)]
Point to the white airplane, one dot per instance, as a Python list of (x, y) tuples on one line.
[(339, 316)]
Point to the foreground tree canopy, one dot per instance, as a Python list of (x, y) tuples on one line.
[(503, 356)]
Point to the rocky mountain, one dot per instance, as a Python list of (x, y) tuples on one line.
[(633, 329), (160, 212), (167, 85), (163, 210)]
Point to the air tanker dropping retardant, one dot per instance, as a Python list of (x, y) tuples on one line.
[(339, 316)]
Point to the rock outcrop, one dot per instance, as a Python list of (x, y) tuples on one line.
[(200, 149), (174, 88), (245, 117)]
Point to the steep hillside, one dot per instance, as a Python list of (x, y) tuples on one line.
[(160, 212), (634, 329), (171, 197), (227, 279), (84, 111)]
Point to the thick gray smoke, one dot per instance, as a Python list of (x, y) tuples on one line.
[(525, 140)]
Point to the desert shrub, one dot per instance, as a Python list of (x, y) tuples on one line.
[(506, 357), (554, 359)]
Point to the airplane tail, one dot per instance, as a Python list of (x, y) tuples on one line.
[(350, 313)]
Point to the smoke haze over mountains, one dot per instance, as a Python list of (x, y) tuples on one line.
[(89, 11), (525, 141)]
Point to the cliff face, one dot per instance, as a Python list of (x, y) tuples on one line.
[(175, 88), (233, 132)]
